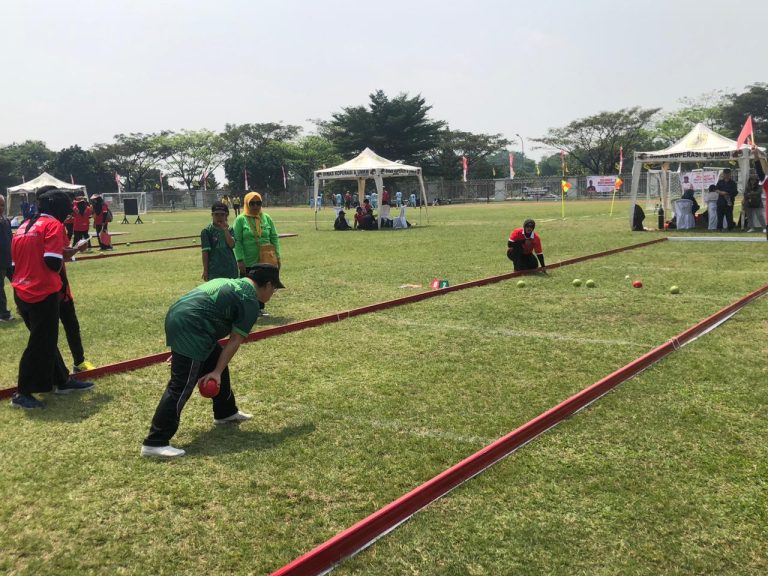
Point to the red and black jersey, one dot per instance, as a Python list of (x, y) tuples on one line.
[(33, 280), (530, 245), (98, 219), (82, 222)]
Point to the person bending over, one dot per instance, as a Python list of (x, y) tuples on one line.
[(524, 247), (193, 327)]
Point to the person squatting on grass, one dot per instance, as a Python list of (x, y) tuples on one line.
[(193, 326), (255, 237), (39, 250), (523, 243), (217, 241)]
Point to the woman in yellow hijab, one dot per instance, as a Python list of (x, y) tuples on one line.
[(256, 240)]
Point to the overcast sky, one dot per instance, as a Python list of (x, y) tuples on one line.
[(79, 72)]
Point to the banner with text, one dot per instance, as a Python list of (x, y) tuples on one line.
[(601, 184)]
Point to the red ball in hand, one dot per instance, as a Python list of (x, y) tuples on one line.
[(209, 388)]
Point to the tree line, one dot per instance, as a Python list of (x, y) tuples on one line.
[(399, 128)]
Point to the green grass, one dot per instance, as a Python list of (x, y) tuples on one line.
[(665, 475)]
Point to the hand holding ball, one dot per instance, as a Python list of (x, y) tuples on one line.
[(208, 388)]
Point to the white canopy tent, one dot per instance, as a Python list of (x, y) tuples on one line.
[(366, 165), (700, 145), (34, 185)]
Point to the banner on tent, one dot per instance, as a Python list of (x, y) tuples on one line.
[(699, 180), (660, 156), (601, 184)]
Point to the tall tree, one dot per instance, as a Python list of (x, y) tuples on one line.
[(753, 102), (188, 154), (309, 154), (398, 129), (446, 159), (592, 143), (132, 156), (83, 167), (24, 161), (252, 148), (672, 126)]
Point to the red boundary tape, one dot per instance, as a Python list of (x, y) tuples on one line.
[(101, 255), (364, 533), (145, 361), (288, 235)]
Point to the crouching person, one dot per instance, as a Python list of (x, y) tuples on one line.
[(524, 247), (193, 326)]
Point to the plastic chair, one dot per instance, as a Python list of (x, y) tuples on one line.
[(684, 214)]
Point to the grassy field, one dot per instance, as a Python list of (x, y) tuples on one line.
[(666, 475)]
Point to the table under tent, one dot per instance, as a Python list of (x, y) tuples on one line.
[(366, 165), (27, 191), (701, 147)]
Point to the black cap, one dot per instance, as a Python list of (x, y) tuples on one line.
[(262, 273), (219, 207)]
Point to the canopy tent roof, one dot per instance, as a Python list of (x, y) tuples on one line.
[(701, 144), (44, 179), (367, 164)]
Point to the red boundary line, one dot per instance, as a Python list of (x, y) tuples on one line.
[(354, 539), (145, 361), (116, 254), (288, 235)]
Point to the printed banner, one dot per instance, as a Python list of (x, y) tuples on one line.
[(601, 184), (699, 180)]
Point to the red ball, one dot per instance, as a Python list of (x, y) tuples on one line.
[(209, 388), (637, 284)]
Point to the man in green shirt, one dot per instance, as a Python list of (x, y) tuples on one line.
[(218, 242), (193, 326)]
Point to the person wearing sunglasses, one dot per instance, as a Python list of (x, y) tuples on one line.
[(256, 239)]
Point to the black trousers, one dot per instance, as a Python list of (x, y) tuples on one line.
[(41, 366), (79, 236), (522, 261), (4, 312), (72, 330), (723, 210), (184, 375)]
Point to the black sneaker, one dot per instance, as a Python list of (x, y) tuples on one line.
[(73, 385), (25, 401)]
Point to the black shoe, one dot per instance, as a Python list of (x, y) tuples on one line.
[(25, 401), (73, 385)]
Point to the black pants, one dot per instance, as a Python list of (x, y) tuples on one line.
[(522, 261), (4, 312), (184, 375), (72, 330), (79, 236), (41, 366), (723, 210)]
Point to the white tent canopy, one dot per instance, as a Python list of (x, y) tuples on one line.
[(700, 145), (44, 179), (366, 165)]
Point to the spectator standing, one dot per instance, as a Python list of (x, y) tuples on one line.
[(524, 247), (217, 241), (193, 326), (726, 187), (754, 196), (81, 213), (6, 263), (100, 219), (347, 200), (236, 205), (39, 249)]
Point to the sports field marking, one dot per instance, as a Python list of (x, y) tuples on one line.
[(349, 542), (507, 333)]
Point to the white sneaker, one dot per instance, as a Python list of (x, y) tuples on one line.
[(162, 451), (237, 417)]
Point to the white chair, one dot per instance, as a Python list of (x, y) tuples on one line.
[(400, 221), (684, 214)]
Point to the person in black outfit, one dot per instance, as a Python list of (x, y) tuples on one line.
[(341, 222), (728, 192), (6, 262), (690, 194)]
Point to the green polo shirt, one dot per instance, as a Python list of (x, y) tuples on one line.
[(221, 258), (209, 312)]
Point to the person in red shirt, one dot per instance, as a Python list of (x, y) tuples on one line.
[(100, 210), (38, 251), (524, 247), (81, 212)]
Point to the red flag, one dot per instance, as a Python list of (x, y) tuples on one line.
[(117, 181), (511, 165), (746, 132), (562, 160), (71, 178), (285, 178), (464, 166), (621, 158)]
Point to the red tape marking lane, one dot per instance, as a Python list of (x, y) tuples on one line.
[(352, 540), (145, 361), (289, 235)]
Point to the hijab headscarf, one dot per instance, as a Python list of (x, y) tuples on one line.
[(530, 223), (253, 217)]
